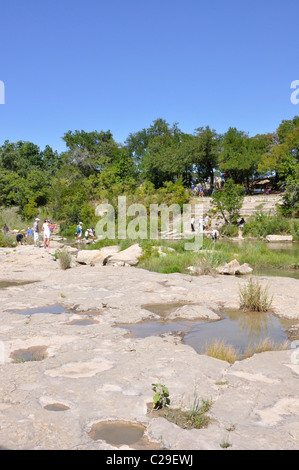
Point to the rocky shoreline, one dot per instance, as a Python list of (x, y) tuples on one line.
[(95, 372)]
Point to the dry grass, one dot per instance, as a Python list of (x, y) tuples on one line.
[(221, 350), (65, 260), (265, 345)]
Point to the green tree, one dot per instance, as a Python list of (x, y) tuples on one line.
[(160, 153), (206, 150), (241, 155), (229, 201), (282, 156), (89, 151)]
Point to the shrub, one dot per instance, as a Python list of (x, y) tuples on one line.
[(7, 241), (229, 230), (264, 224), (254, 297), (65, 259)]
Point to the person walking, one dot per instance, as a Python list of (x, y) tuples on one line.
[(36, 232)]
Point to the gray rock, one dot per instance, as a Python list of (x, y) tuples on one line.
[(130, 256), (279, 238), (89, 256), (234, 267)]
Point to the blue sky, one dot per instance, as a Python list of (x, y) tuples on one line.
[(120, 64)]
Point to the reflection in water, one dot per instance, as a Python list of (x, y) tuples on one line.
[(240, 329), (255, 325)]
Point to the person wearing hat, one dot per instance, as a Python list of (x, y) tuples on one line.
[(36, 232)]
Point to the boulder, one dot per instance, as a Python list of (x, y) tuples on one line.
[(108, 251), (279, 238), (192, 312), (234, 267), (244, 269), (89, 257), (97, 256), (70, 249), (130, 256)]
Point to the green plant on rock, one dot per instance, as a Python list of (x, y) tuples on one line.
[(197, 413), (161, 397), (254, 297)]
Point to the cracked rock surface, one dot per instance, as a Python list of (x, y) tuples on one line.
[(95, 372)]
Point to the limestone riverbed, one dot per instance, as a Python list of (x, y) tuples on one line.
[(76, 368)]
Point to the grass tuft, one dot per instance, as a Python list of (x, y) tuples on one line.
[(254, 297), (221, 350)]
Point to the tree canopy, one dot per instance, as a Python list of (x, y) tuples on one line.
[(95, 168)]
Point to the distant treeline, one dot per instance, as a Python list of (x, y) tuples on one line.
[(159, 160)]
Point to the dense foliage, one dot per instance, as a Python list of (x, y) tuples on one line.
[(156, 164)]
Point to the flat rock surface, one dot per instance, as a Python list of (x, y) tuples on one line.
[(95, 372)]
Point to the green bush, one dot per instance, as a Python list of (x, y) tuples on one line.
[(262, 225), (254, 297), (7, 241)]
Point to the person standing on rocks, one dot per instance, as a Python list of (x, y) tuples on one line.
[(36, 232), (79, 231), (47, 233)]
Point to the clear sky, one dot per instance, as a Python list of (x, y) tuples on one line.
[(121, 64)]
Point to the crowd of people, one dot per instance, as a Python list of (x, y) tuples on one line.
[(47, 229), (205, 224)]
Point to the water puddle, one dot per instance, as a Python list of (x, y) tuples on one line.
[(119, 433), (56, 407), (155, 328), (54, 309), (5, 284), (35, 353), (268, 271), (237, 328)]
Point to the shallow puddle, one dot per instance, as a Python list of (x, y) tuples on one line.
[(119, 433), (5, 284), (154, 328), (237, 328), (56, 407), (55, 309), (35, 353)]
